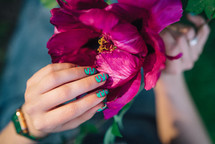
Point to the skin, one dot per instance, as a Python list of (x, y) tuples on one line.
[(46, 91), (57, 83), (177, 118)]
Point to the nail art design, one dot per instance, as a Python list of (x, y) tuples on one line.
[(101, 109), (101, 77), (90, 71), (102, 93)]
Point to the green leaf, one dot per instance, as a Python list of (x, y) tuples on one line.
[(198, 6), (210, 9), (195, 6), (115, 130), (86, 128), (109, 137), (49, 3)]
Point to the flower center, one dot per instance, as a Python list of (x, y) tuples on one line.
[(105, 44)]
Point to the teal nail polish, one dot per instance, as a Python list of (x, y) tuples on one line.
[(192, 14), (101, 77), (102, 93), (90, 71), (101, 109)]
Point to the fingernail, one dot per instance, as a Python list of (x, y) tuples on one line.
[(90, 71), (102, 93), (101, 77), (101, 109), (192, 14)]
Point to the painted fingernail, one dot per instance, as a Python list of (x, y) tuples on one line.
[(192, 14), (90, 71), (102, 93), (101, 77), (101, 109)]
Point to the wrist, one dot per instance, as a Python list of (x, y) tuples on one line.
[(23, 127)]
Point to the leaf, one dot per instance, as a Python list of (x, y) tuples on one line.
[(115, 130), (198, 6), (85, 129), (195, 6), (49, 3), (109, 137), (110, 1), (210, 9), (118, 118)]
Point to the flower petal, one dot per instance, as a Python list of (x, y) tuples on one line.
[(120, 65), (69, 42), (83, 57), (86, 4), (124, 95), (155, 60), (127, 12), (99, 19), (64, 21), (126, 37), (162, 13)]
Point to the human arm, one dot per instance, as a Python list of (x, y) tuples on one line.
[(47, 92), (178, 120)]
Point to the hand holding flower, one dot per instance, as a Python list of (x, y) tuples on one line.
[(118, 39), (48, 107)]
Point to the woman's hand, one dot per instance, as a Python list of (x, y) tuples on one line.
[(177, 118), (179, 38), (47, 108)]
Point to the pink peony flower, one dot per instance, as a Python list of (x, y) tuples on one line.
[(118, 39)]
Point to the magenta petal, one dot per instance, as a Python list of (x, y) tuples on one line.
[(64, 21), (83, 57), (162, 12), (126, 37), (69, 42), (86, 4), (128, 12), (155, 61), (124, 95), (141, 3), (151, 77), (120, 65), (99, 19)]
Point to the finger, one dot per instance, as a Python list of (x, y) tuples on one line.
[(49, 68), (174, 66), (74, 109), (202, 37), (187, 61), (169, 41), (203, 31), (70, 91), (172, 49), (57, 78), (190, 34), (198, 21), (81, 119)]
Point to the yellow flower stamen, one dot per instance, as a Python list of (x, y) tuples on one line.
[(105, 45)]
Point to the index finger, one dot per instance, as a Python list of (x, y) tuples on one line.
[(48, 69)]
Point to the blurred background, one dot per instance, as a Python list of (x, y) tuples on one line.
[(9, 12), (201, 79)]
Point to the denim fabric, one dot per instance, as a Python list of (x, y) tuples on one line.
[(27, 53)]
